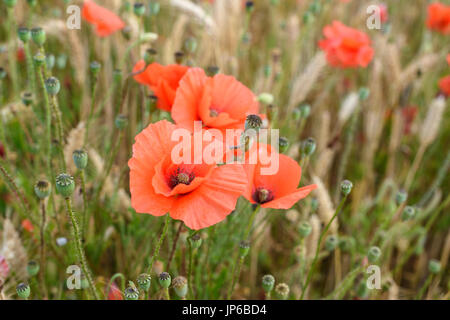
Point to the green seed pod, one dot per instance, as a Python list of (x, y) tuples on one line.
[(39, 59), (408, 213), (32, 268), (150, 56), (61, 61), (346, 187), (179, 56), (80, 158), (211, 71), (42, 189), (139, 9), (253, 121), (50, 60), (27, 98), (244, 248), (84, 282), (10, 3), (401, 197), (374, 254), (305, 110), (154, 8), (144, 280), (164, 279), (195, 241), (65, 185), (24, 34), (2, 73), (38, 35), (308, 17), (265, 98), (434, 266), (331, 243), (249, 6), (153, 101), (131, 293), (117, 75), (23, 290), (314, 204), (180, 285), (121, 122), (347, 244), (282, 291), (95, 67), (308, 147), (364, 93), (52, 86), (32, 3), (190, 44), (283, 144), (296, 114), (268, 281), (304, 229)]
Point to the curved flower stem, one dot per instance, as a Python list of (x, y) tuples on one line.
[(313, 264), (425, 286), (192, 253), (42, 248), (79, 247), (158, 246), (111, 281), (250, 222)]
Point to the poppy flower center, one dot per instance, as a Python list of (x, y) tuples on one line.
[(180, 178), (213, 113), (262, 195)]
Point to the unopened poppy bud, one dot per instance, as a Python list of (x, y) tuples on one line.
[(283, 144), (23, 290), (244, 247), (95, 67), (331, 243), (38, 35), (131, 293), (347, 244), (268, 281), (374, 254), (50, 61), (39, 59), (179, 56), (305, 110), (32, 268), (65, 185), (154, 7), (308, 146), (434, 266), (121, 122), (139, 9), (195, 241), (249, 6), (304, 229), (27, 98), (180, 285), (80, 158), (10, 3), (346, 187), (282, 291), (2, 73), (150, 55), (190, 44), (265, 98), (401, 197), (364, 93), (164, 279), (52, 86), (42, 189), (408, 213), (144, 280), (253, 121), (24, 34), (211, 71)]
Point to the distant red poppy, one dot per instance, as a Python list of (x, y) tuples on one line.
[(220, 102), (439, 17), (105, 21), (27, 225), (279, 190), (384, 16), (444, 85), (21, 54), (4, 268), (448, 59), (162, 80), (198, 193), (114, 293), (346, 47)]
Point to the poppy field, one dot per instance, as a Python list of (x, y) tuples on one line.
[(224, 149)]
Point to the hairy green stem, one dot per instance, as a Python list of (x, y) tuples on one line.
[(158, 246)]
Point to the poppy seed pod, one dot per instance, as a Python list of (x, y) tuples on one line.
[(27, 98), (296, 114), (305, 229), (244, 247), (374, 254), (195, 241), (139, 9), (363, 93), (149, 56), (80, 158), (283, 144), (268, 281), (331, 243), (131, 293), (179, 56), (32, 268), (164, 279), (253, 121), (39, 59), (408, 213), (121, 122), (434, 266), (38, 35), (65, 185), (50, 60), (211, 71), (52, 86), (346, 187), (23, 290), (308, 146), (249, 6), (180, 285), (305, 110), (190, 44), (401, 197), (10, 3), (153, 100), (84, 281), (265, 98), (314, 204), (95, 67), (347, 244), (42, 189), (24, 34), (144, 280), (282, 291)]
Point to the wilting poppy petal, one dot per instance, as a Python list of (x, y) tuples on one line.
[(105, 21)]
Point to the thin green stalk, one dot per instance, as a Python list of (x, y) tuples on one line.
[(48, 121), (158, 246), (174, 246), (30, 67), (250, 222), (59, 128), (12, 50), (313, 264), (425, 286), (19, 195), (84, 220), (79, 248), (42, 249), (91, 111)]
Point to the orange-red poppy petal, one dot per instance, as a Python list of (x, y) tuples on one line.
[(106, 21), (287, 201)]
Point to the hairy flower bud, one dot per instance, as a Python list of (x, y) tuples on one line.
[(401, 197), (434, 266), (308, 147), (408, 213), (283, 144), (65, 185)]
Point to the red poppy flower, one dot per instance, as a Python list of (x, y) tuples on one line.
[(278, 190), (220, 102), (105, 21), (27, 225), (198, 193), (114, 293), (444, 85), (162, 80), (439, 17), (346, 47), (21, 54)]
